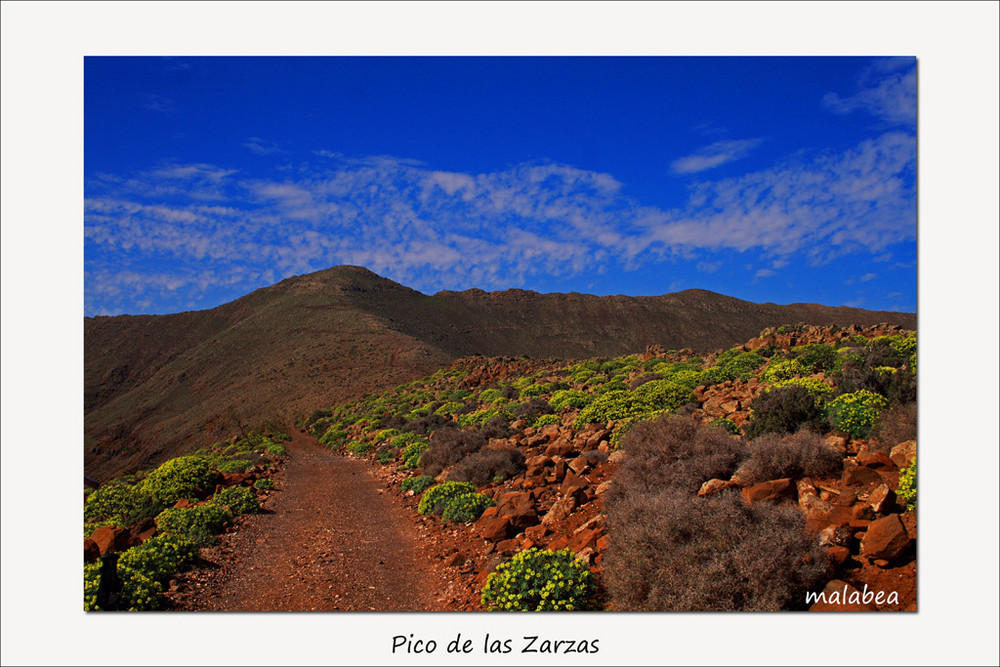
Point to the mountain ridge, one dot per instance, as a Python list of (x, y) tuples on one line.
[(155, 385)]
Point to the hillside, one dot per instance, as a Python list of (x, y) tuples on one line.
[(159, 385), (778, 474)]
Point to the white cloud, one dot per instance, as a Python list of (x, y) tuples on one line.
[(260, 146), (434, 229), (887, 90), (868, 276), (714, 155)]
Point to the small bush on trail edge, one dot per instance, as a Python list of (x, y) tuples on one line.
[(448, 447), (856, 413), (263, 484), (412, 452), (418, 483), (467, 507), (196, 524), (436, 498), (783, 410), (239, 499), (488, 465), (774, 456), (541, 580), (143, 571)]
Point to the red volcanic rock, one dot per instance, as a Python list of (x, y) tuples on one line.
[(904, 453), (885, 539), (771, 491), (110, 538), (91, 552)]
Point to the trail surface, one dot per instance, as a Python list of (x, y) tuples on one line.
[(330, 540)]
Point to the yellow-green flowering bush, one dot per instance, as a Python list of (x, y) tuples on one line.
[(908, 485), (144, 568), (412, 452), (359, 447), (417, 483), (196, 524), (436, 498), (546, 420), (91, 582), (264, 484), (782, 369), (467, 507), (574, 398), (238, 499), (179, 478), (856, 413), (817, 388), (540, 580), (114, 504)]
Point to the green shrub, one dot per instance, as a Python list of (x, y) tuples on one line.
[(412, 452), (234, 465), (856, 413), (117, 504), (276, 449), (467, 507), (782, 369), (417, 483), (436, 498), (334, 437), (182, 477), (195, 524), (359, 447), (490, 395), (648, 400), (239, 499), (144, 569), (541, 580), (818, 389), (449, 409), (546, 420), (908, 486), (733, 364), (91, 584), (815, 358), (783, 410), (264, 484), (570, 397)]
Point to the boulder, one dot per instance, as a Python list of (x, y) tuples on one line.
[(579, 465), (858, 476), (903, 454), (573, 484), (711, 486), (496, 529), (771, 491), (561, 447), (109, 539), (142, 531), (559, 511), (519, 507), (886, 539), (875, 460), (883, 499)]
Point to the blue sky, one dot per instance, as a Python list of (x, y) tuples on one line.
[(768, 179)]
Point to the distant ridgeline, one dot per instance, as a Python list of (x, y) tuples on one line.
[(159, 385)]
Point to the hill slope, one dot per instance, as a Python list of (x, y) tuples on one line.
[(156, 385)]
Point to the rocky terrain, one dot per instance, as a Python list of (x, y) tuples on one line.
[(756, 477), (156, 386)]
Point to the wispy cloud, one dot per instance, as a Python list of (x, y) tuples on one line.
[(887, 90), (155, 102), (260, 146), (434, 229), (714, 155)]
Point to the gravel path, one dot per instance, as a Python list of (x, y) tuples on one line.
[(331, 540)]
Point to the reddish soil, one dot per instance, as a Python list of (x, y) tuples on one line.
[(330, 539)]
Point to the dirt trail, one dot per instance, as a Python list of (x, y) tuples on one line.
[(331, 540)]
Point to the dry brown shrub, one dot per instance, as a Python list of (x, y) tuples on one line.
[(774, 456)]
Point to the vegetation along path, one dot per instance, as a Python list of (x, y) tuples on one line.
[(330, 540)]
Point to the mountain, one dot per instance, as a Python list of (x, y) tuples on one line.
[(158, 385)]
